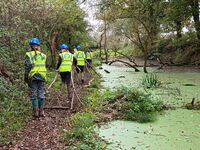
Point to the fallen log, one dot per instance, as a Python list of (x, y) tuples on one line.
[(56, 107), (130, 65), (131, 59), (106, 71)]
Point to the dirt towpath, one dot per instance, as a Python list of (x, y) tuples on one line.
[(44, 133)]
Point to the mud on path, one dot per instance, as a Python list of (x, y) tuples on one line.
[(44, 133)]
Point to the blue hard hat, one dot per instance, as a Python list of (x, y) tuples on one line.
[(63, 46), (78, 47), (34, 42)]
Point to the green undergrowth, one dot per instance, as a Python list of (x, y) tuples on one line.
[(130, 104), (96, 61), (139, 106), (82, 135), (14, 104), (151, 80), (50, 77), (14, 111)]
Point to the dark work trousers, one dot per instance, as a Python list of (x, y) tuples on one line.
[(37, 90)]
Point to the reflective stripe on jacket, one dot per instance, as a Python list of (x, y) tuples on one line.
[(89, 55), (67, 61), (80, 56), (38, 62)]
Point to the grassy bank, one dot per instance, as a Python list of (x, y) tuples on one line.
[(14, 104), (14, 111), (82, 135)]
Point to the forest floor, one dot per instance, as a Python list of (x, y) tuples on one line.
[(44, 133)]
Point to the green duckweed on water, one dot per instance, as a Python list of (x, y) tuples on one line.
[(175, 129), (173, 85)]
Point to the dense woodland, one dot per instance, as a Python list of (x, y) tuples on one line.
[(167, 30)]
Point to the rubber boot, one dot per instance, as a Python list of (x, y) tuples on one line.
[(35, 107), (41, 107), (41, 112), (36, 112)]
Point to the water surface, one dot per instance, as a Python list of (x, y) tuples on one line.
[(173, 130)]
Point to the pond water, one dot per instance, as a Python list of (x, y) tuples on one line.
[(174, 129), (174, 86)]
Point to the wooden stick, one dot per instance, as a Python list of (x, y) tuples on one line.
[(72, 102), (93, 69), (78, 68), (53, 81), (75, 90), (88, 70)]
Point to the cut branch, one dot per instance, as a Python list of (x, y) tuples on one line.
[(131, 59), (128, 64)]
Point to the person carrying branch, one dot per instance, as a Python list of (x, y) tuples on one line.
[(64, 67), (80, 58), (89, 56), (35, 76)]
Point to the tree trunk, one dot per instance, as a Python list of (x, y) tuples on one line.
[(115, 53), (54, 42), (195, 12), (178, 29), (145, 65), (100, 45), (105, 39)]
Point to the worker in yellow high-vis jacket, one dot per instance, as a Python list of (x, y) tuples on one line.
[(35, 76), (64, 67), (80, 58), (89, 56)]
